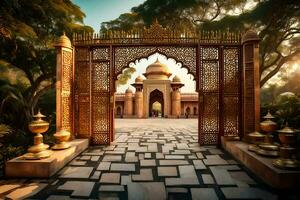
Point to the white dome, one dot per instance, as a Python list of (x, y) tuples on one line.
[(158, 71)]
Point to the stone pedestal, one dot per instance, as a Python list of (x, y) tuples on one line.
[(18, 167), (262, 166)]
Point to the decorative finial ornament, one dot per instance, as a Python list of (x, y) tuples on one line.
[(269, 115), (39, 115), (286, 124), (157, 59)]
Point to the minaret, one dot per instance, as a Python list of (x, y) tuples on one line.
[(176, 96), (138, 97), (128, 103)]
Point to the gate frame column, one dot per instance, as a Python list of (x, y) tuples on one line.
[(64, 85), (251, 82)]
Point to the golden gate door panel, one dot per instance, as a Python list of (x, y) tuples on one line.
[(92, 94), (220, 93), (100, 95), (232, 107), (209, 88), (82, 92)]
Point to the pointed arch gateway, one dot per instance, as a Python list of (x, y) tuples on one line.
[(156, 96), (224, 66)]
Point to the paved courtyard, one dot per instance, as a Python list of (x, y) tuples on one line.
[(150, 159)]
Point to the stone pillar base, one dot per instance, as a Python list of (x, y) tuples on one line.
[(262, 167), (18, 167)]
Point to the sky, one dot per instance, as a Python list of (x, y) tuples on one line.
[(98, 11)]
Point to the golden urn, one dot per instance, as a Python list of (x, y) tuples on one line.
[(287, 160), (268, 126), (39, 150), (255, 138), (287, 136), (268, 148), (62, 137)]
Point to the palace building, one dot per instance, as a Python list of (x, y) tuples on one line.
[(156, 96)]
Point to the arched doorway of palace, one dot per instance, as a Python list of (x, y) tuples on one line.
[(156, 104), (224, 65), (156, 110), (119, 112), (187, 112)]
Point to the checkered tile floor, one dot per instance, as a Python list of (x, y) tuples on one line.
[(157, 160)]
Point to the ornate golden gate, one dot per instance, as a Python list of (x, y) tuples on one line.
[(224, 66)]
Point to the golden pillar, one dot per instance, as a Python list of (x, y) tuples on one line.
[(64, 84)]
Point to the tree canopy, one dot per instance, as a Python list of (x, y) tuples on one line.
[(276, 21), (28, 31), (278, 25), (175, 13)]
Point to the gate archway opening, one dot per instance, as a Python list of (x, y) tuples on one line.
[(156, 104), (119, 111), (224, 64), (187, 112), (160, 72), (156, 110)]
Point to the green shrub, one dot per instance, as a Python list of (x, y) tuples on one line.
[(285, 108)]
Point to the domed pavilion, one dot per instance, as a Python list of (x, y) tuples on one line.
[(156, 95)]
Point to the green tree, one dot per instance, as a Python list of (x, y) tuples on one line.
[(125, 76), (178, 14), (278, 25), (28, 31), (292, 83), (269, 94)]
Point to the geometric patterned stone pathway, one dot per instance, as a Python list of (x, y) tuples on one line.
[(162, 161)]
